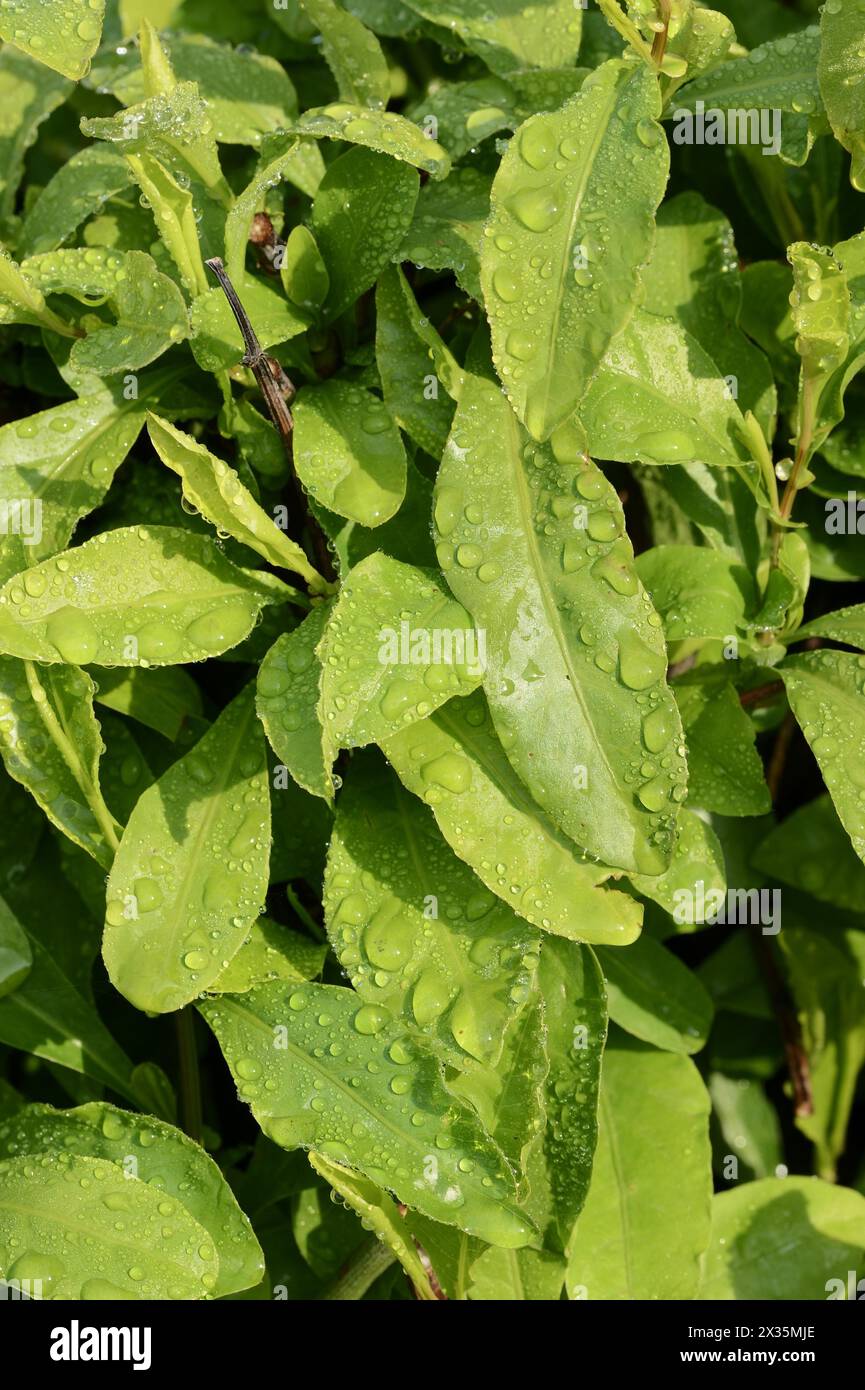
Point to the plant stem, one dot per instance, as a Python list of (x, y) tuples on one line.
[(803, 448), (277, 390), (308, 920), (69, 754), (778, 760), (761, 695), (361, 1271), (798, 1065), (659, 43), (190, 1080)]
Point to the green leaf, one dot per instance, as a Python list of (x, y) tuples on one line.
[(56, 466), (697, 869), (825, 693), (215, 490), (396, 647), (448, 226), (455, 762), (825, 966), (270, 952), (157, 595), (22, 301), (724, 768), (783, 1238), (51, 744), (846, 625), (518, 37), (303, 272), (16, 957), (653, 996), (698, 593), (150, 312), (190, 875), (415, 931), (275, 1034), (361, 213), (352, 53), (748, 1122), (645, 1224), (29, 94), (216, 339), (810, 851), (47, 1206), (406, 364), (780, 75), (379, 1213), (822, 318), (297, 162), (48, 1015), (530, 537), (164, 698), (64, 40), (658, 398), (381, 131), (694, 275), (248, 94), (172, 124), (840, 72), (287, 696), (174, 214), (146, 1151), (348, 452), (82, 186), (550, 333), (575, 1014)]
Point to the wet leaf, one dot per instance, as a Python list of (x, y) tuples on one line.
[(348, 452), (415, 931), (190, 875), (275, 1032), (172, 597), (563, 244), (531, 540)]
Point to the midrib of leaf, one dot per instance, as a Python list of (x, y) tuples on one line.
[(550, 607), (621, 1189), (355, 1097), (26, 1005), (58, 1217), (517, 796), (449, 947), (836, 692), (229, 590), (647, 386), (738, 91), (205, 825), (60, 467), (501, 1102), (552, 338)]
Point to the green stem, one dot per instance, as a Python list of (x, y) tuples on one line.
[(190, 1079), (659, 43), (308, 921), (361, 1271), (803, 449), (69, 754)]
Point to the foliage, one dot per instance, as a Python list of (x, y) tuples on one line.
[(432, 689)]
